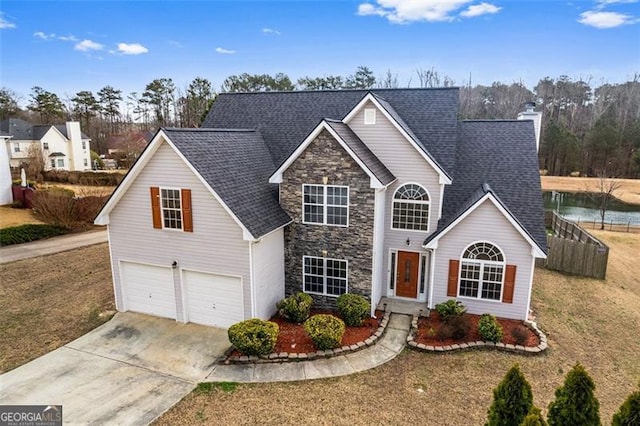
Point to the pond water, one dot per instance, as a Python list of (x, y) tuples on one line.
[(584, 207)]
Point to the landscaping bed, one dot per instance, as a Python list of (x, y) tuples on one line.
[(514, 332), (292, 339)]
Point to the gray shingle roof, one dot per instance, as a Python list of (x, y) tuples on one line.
[(363, 152), (23, 130), (501, 156), (284, 119), (236, 164)]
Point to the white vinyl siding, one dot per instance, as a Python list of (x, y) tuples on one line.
[(408, 166), (268, 273), (486, 223), (215, 246)]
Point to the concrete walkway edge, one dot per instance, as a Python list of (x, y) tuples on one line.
[(387, 348), (51, 245)]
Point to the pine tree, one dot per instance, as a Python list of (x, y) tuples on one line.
[(575, 403), (512, 400), (629, 412), (534, 418)]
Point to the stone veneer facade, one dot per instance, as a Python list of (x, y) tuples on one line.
[(324, 157)]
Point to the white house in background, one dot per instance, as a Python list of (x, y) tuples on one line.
[(5, 172), (64, 146)]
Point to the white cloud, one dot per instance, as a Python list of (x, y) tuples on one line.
[(603, 3), (404, 11), (225, 51), (4, 24), (605, 20), (88, 45), (480, 9), (131, 49), (68, 38), (43, 36), (270, 31)]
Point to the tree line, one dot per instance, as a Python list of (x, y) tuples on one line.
[(587, 129)]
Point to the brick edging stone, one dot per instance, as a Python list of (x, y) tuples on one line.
[(528, 350), (289, 357)]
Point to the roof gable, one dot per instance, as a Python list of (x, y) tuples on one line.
[(390, 114), (212, 155), (379, 175)]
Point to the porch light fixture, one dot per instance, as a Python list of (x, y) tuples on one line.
[(174, 265), (325, 180), (408, 242)]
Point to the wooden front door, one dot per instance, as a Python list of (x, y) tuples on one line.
[(407, 274)]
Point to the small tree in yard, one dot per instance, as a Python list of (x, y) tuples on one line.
[(534, 418), (629, 412), (512, 400), (36, 163), (604, 195), (575, 403)]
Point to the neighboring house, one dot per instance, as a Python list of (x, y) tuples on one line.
[(129, 142), (6, 196), (64, 146), (384, 193)]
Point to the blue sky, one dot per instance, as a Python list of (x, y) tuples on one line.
[(68, 46)]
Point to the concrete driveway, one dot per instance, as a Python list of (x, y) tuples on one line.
[(127, 371)]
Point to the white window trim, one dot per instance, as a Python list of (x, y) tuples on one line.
[(325, 205), (370, 116), (324, 275), (58, 163), (393, 201), (45, 146), (481, 279), (16, 147), (162, 208)]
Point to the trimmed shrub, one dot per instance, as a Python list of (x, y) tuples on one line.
[(254, 336), (58, 206), (575, 403), (489, 328), (295, 308), (353, 308), (450, 308), (512, 400), (534, 418), (30, 232), (456, 327), (325, 330), (520, 334), (629, 412)]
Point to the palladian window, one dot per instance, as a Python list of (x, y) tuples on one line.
[(482, 271), (411, 208)]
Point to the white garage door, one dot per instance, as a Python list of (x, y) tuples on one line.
[(214, 300), (148, 289)]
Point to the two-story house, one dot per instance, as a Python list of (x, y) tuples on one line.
[(64, 146), (384, 193)]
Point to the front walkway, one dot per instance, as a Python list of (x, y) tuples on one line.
[(51, 245), (386, 348)]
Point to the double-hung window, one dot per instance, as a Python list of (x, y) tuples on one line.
[(324, 276), (325, 204), (171, 208), (482, 272)]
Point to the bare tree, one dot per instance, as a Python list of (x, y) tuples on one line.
[(388, 81), (603, 194), (36, 163)]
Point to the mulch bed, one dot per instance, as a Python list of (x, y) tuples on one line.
[(428, 328), (293, 339)]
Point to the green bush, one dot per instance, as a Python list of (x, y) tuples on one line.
[(629, 412), (353, 308), (31, 232), (295, 308), (450, 308), (254, 336), (512, 400), (489, 328), (575, 403), (325, 330), (534, 418)]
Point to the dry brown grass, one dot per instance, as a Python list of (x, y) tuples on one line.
[(82, 190), (14, 217), (588, 321), (49, 301), (629, 190)]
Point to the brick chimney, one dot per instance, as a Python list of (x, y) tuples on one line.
[(535, 116)]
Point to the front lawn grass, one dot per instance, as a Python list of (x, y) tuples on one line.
[(592, 322), (48, 301)]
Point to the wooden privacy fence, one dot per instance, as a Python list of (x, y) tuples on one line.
[(573, 250)]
